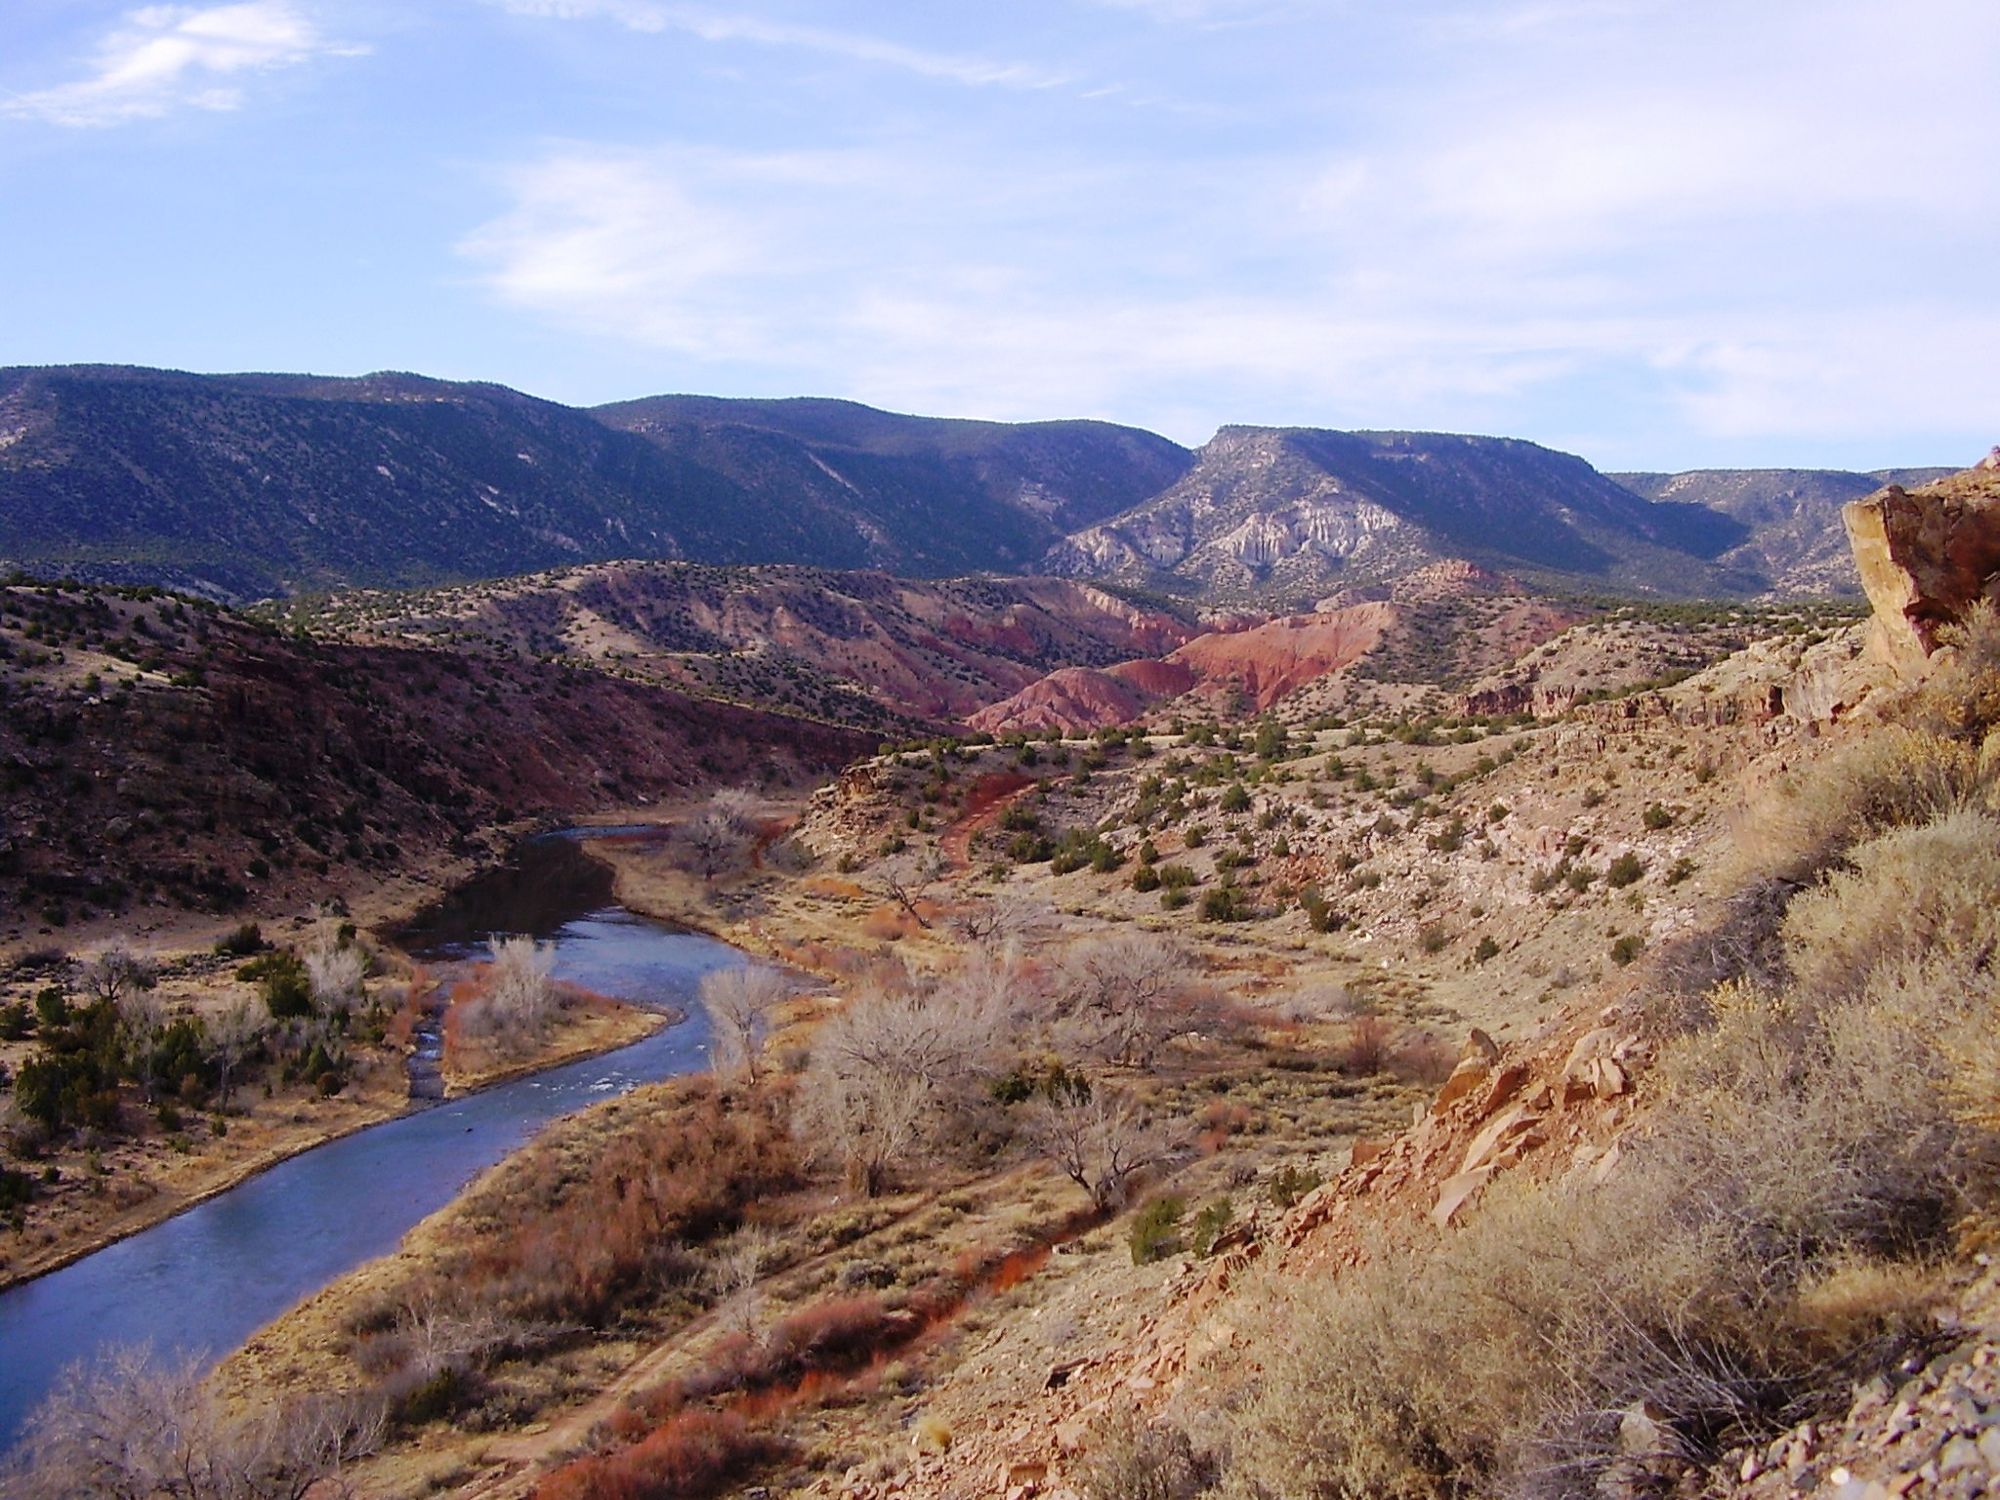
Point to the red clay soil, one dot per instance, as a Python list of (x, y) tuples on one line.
[(989, 799), (1264, 662), (1278, 658)]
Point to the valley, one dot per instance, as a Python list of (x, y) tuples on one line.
[(1123, 937)]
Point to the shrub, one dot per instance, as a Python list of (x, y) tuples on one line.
[(695, 1453), (1657, 817), (1133, 1460), (1895, 777), (1367, 1049), (1209, 1222), (1904, 892), (1224, 903), (244, 941), (1146, 878), (1625, 870), (1153, 1235), (282, 980), (1290, 1183), (1487, 949), (1627, 948), (1433, 937)]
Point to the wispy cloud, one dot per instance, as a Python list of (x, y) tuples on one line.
[(720, 26), (163, 58), (1652, 255)]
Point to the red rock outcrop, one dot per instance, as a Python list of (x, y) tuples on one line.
[(1262, 663), (1926, 557)]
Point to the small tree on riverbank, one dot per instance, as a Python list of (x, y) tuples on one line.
[(521, 995), (740, 1004)]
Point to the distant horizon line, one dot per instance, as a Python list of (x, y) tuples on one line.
[(591, 407)]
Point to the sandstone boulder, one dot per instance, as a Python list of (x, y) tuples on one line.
[(1926, 557)]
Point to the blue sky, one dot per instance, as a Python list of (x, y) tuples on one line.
[(1658, 234)]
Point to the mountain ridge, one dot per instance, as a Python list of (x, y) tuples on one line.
[(256, 485)]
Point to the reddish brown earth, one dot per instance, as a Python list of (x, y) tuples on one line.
[(990, 797), (860, 648), (1261, 663), (224, 767)]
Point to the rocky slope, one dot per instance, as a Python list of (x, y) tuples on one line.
[(241, 486), (1292, 514), (855, 648), (160, 756), (896, 472), (245, 486)]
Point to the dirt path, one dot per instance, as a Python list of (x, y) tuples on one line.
[(991, 797)]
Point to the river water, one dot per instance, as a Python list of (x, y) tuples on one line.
[(202, 1282)]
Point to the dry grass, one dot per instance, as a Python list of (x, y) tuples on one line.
[(1777, 1229), (1900, 895)]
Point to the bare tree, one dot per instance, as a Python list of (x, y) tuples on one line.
[(116, 973), (740, 1003), (1000, 927), (522, 995), (1100, 1139), (905, 879), (1120, 998), (735, 1270), (131, 1429), (335, 976), (234, 1033), (891, 1072), (718, 834), (141, 1018)]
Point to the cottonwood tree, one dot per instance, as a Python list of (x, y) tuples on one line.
[(335, 977), (115, 974), (892, 1072), (521, 995), (740, 1003), (141, 1018), (1099, 1138), (234, 1033), (131, 1429), (719, 833), (1119, 999)]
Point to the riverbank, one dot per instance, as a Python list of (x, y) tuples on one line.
[(131, 1185), (768, 905), (109, 1185)]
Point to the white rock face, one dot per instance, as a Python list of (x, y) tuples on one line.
[(1336, 528)]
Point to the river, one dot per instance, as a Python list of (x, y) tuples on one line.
[(204, 1281)]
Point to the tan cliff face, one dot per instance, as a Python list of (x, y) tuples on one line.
[(1926, 556)]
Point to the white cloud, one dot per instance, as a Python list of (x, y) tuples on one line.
[(166, 57), (719, 26), (1731, 254)]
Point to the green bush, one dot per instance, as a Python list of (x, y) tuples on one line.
[(1224, 903), (1290, 1183), (1209, 1222), (1154, 1229), (1626, 869)]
